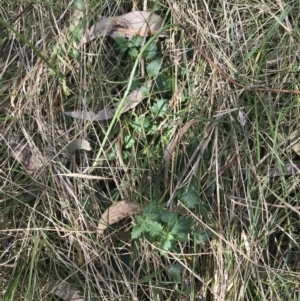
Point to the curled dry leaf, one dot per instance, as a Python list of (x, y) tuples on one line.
[(105, 114), (141, 23), (117, 212), (20, 151), (64, 291), (132, 100), (78, 144)]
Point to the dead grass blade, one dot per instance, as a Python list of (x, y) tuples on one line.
[(83, 176), (141, 23), (117, 212), (172, 145)]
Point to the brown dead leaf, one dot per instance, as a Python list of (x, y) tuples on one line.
[(20, 151), (78, 144), (131, 101), (141, 23), (117, 212)]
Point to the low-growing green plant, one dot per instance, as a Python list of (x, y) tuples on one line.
[(162, 227)]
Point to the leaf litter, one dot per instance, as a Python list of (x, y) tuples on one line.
[(116, 213), (132, 100), (142, 23)]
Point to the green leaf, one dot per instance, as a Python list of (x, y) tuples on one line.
[(128, 141), (174, 272), (133, 52), (154, 227), (135, 42), (141, 123), (75, 54), (151, 52), (211, 187), (166, 241), (190, 198), (164, 83), (150, 208), (122, 44), (165, 244), (160, 107), (136, 231), (166, 216), (145, 91), (154, 67), (181, 227)]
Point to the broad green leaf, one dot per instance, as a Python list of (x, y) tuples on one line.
[(167, 216), (181, 228), (136, 231), (122, 44), (154, 67), (133, 52), (154, 227), (165, 244), (141, 123), (160, 107), (136, 41), (190, 198)]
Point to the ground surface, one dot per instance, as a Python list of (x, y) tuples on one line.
[(205, 163)]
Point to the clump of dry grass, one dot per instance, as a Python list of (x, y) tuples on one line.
[(247, 218)]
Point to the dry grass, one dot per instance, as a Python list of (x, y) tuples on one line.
[(48, 221)]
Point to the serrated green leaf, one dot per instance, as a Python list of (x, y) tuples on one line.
[(160, 107), (154, 67), (190, 198), (141, 123), (166, 216), (150, 208), (145, 91), (165, 244), (128, 141), (133, 52), (122, 44), (136, 41), (136, 231), (154, 227), (174, 272)]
